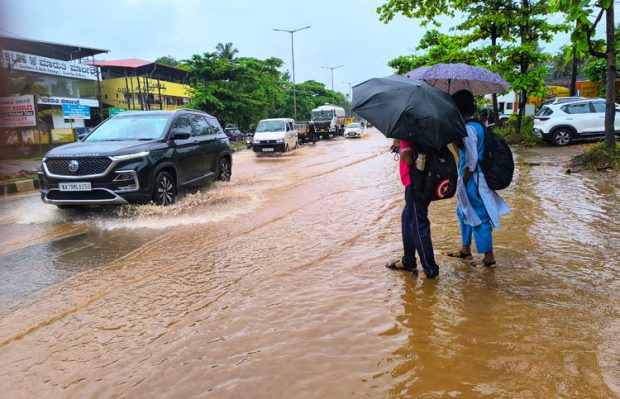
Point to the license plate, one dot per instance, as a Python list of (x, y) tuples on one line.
[(267, 149), (74, 186)]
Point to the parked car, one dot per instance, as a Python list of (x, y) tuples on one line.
[(137, 157), (275, 135), (562, 100), (564, 122), (353, 130), (234, 134)]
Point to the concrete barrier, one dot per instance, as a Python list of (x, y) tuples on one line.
[(24, 185), (18, 187)]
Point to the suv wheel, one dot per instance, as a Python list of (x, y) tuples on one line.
[(225, 170), (562, 136), (164, 193)]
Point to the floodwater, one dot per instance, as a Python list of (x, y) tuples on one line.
[(273, 286)]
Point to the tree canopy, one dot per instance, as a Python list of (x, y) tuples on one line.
[(167, 60), (243, 90)]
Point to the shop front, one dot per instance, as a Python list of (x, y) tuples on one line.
[(45, 77)]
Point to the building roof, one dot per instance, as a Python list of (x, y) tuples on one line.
[(127, 63), (137, 67), (65, 52)]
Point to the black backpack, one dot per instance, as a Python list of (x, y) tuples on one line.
[(497, 165), (438, 181)]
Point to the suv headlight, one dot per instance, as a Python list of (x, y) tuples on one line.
[(255, 141), (279, 141), (130, 156)]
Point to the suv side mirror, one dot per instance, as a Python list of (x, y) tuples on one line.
[(180, 134)]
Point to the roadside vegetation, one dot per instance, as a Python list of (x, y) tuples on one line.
[(505, 36), (238, 145), (599, 157), (244, 90), (523, 136)]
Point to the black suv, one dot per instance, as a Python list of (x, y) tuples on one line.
[(137, 156)]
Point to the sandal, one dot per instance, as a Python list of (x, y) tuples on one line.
[(393, 266), (485, 262), (459, 254)]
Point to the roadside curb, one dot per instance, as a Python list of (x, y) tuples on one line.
[(19, 187)]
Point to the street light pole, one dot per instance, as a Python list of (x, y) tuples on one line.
[(350, 90), (332, 69), (293, 62)]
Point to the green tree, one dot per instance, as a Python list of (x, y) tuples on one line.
[(560, 65), (311, 94), (167, 60), (586, 15), (490, 34), (434, 48), (226, 51), (241, 91)]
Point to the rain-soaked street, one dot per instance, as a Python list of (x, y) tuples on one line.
[(273, 286)]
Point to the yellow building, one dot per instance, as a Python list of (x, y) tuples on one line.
[(142, 85)]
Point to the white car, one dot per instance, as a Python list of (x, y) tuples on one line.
[(275, 135), (354, 129), (562, 123), (562, 100)]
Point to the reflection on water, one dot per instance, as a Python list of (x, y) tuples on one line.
[(274, 286)]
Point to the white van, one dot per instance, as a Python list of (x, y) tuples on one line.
[(278, 134)]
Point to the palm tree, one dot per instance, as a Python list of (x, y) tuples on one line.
[(226, 50)]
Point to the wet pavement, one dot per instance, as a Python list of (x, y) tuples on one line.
[(273, 285)]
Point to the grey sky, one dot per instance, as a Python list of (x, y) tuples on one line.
[(343, 32)]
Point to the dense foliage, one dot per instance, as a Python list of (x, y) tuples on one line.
[(502, 35), (243, 90), (585, 15)]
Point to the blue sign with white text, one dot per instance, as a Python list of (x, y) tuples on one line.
[(75, 111)]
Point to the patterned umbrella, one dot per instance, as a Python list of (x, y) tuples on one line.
[(451, 78)]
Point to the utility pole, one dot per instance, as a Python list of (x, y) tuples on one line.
[(293, 60), (350, 93), (332, 69)]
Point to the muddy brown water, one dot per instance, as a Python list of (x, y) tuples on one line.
[(273, 286)]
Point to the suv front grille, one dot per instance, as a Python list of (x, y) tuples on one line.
[(86, 166), (95, 195)]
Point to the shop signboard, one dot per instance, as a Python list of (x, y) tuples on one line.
[(17, 111), (49, 66), (66, 100), (75, 111), (116, 110)]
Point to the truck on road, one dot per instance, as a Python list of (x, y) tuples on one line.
[(327, 120)]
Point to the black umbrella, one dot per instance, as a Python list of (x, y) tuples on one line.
[(409, 109)]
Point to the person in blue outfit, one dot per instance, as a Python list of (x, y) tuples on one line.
[(478, 207)]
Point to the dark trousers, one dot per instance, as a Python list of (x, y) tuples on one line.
[(416, 230)]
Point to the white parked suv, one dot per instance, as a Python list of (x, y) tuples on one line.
[(562, 123), (273, 135)]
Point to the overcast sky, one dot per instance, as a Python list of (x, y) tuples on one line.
[(343, 32)]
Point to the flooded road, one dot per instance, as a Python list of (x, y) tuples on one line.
[(273, 286)]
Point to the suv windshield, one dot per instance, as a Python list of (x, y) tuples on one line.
[(322, 115), (353, 125), (130, 128), (270, 126)]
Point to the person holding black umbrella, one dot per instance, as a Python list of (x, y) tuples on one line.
[(415, 225), (417, 114)]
